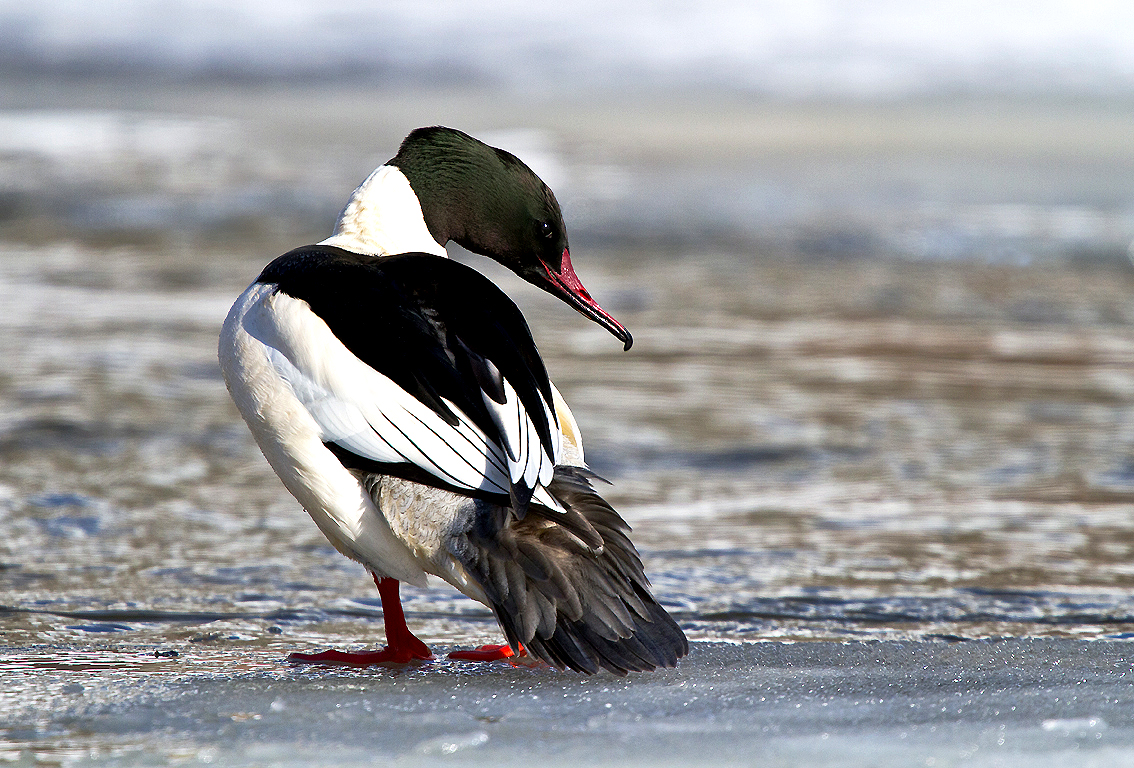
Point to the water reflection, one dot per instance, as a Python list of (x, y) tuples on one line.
[(806, 449)]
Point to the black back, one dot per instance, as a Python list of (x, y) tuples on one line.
[(435, 327)]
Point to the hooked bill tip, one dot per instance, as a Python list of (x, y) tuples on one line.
[(566, 284)]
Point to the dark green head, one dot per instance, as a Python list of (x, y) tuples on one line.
[(488, 201)]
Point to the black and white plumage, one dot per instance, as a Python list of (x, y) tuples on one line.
[(401, 399)]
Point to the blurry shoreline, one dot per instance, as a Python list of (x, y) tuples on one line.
[(947, 177)]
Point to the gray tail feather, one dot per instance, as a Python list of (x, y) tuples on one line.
[(571, 587)]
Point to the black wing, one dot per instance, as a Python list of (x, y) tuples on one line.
[(448, 338)]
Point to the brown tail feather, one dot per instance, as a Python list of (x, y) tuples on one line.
[(579, 569)]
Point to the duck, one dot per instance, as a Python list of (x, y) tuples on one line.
[(401, 399)]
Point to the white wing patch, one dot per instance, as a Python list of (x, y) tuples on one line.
[(527, 460), (368, 414)]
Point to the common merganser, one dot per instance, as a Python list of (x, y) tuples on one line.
[(400, 398)]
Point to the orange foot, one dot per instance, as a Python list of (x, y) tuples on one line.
[(363, 658), (487, 653)]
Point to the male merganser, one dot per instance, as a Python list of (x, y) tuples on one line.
[(400, 398)]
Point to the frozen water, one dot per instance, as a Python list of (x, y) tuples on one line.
[(981, 703), (886, 489), (892, 487)]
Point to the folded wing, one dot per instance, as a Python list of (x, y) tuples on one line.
[(415, 366)]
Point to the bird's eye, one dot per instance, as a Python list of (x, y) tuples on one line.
[(544, 229)]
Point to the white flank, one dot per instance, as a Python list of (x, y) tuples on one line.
[(291, 440), (299, 387), (383, 217)]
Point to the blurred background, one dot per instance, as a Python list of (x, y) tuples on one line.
[(875, 257)]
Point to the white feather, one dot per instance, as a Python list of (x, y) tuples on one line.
[(291, 440), (365, 412), (383, 217), (528, 460)]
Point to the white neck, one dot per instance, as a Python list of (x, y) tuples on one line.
[(383, 217)]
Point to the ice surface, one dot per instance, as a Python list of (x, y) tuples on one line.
[(786, 478), (894, 456), (981, 703)]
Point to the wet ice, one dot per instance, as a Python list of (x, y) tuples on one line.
[(888, 498)]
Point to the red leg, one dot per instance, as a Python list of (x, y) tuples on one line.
[(401, 645)]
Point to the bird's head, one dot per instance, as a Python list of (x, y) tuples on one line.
[(488, 201)]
